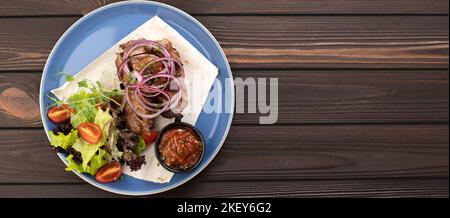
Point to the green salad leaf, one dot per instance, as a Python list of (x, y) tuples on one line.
[(111, 144), (84, 104), (83, 84), (92, 154), (140, 146), (96, 162), (63, 141), (67, 76)]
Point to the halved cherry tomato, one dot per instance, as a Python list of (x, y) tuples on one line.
[(109, 173), (59, 114), (90, 132), (149, 137)]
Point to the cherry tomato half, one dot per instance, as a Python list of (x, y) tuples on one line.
[(90, 132), (109, 173), (150, 137), (59, 114)]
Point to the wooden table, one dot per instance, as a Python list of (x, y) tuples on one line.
[(363, 107)]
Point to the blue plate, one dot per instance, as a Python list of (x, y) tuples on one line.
[(96, 32)]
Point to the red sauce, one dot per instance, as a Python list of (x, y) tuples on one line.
[(180, 148)]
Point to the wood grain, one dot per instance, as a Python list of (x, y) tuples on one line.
[(314, 188), (32, 148), (276, 153), (78, 7), (26, 43), (198, 188), (355, 96), (332, 42), (19, 97), (363, 98), (304, 97), (291, 42)]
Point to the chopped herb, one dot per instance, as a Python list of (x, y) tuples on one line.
[(68, 77)]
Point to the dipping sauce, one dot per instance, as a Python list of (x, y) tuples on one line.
[(180, 148)]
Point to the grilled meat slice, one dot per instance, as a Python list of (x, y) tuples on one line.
[(119, 55), (119, 59), (134, 122), (172, 51), (139, 63)]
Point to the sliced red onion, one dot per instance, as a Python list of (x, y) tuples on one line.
[(144, 91), (140, 114), (123, 67)]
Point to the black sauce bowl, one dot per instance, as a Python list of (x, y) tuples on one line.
[(178, 124)]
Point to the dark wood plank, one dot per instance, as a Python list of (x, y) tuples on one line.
[(196, 188), (277, 153), (26, 46), (355, 96), (332, 42), (32, 148), (304, 97), (315, 188), (323, 151), (78, 7), (290, 42)]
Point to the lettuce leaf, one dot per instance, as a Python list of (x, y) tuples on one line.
[(140, 146), (104, 120), (84, 104), (111, 144), (71, 165), (63, 141), (93, 156), (96, 162)]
